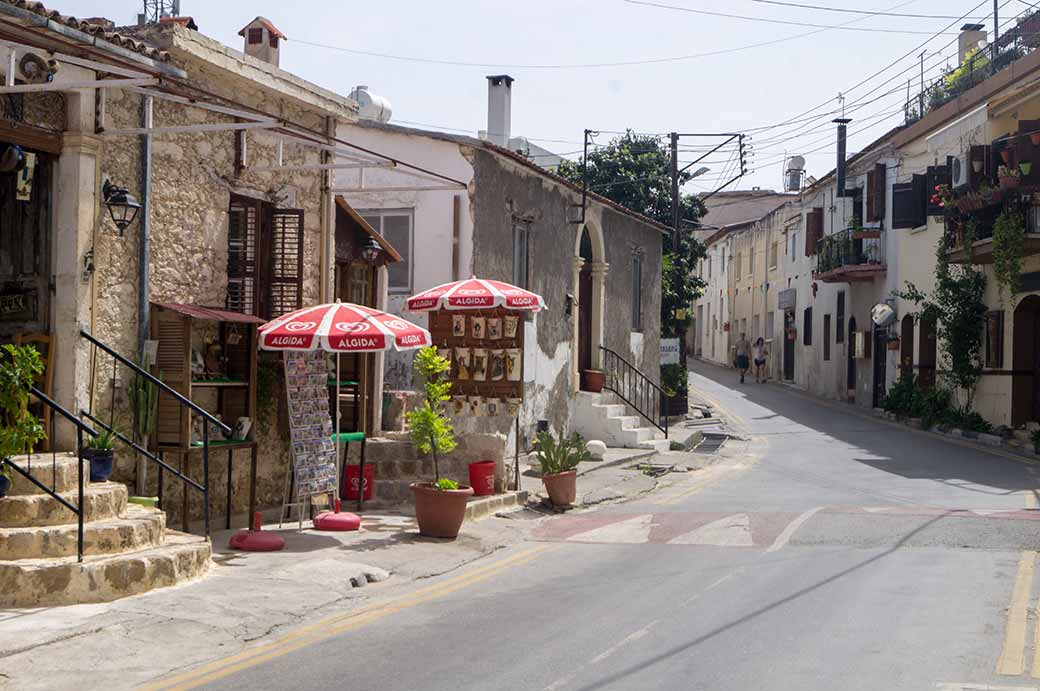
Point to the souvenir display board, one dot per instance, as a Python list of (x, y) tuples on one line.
[(310, 425), (486, 350)]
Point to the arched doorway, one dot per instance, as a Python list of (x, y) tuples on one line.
[(906, 346), (927, 356), (585, 306), (590, 273), (850, 382), (1025, 357)]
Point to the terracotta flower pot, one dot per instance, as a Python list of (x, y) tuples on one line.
[(1035, 138), (594, 380), (1010, 182), (1005, 155), (440, 512), (562, 488)]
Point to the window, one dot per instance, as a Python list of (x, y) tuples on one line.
[(995, 339), (273, 41), (265, 258), (826, 337), (736, 267), (637, 293), (755, 333), (839, 334), (751, 264), (256, 36), (794, 245), (722, 266), (807, 326), (709, 267), (396, 227), (769, 326), (521, 233), (772, 255)]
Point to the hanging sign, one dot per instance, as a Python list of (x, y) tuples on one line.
[(786, 299), (669, 351)]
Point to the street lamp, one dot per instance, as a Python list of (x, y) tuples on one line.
[(371, 250), (121, 205), (700, 171)]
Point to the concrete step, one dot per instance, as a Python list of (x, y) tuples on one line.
[(141, 528), (103, 578), (102, 499), (658, 445), (610, 409), (630, 421), (57, 472)]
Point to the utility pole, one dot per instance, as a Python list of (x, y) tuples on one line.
[(996, 35), (674, 137), (920, 98)]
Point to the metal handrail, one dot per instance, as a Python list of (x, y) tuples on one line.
[(636, 389), (181, 398)]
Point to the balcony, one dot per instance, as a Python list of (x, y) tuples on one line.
[(850, 256), (981, 250)]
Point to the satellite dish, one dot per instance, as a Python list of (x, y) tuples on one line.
[(882, 314), (11, 159), (36, 70)]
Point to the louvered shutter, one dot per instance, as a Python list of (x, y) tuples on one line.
[(921, 194), (243, 238), (173, 367), (813, 230), (903, 205), (871, 197), (285, 267), (880, 172)]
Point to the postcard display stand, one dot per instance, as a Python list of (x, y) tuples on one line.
[(312, 477), (486, 351)]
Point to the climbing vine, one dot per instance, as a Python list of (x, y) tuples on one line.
[(1009, 237)]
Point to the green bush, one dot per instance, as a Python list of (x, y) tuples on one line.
[(902, 397), (560, 456)]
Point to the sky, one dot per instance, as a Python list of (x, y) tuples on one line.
[(710, 74)]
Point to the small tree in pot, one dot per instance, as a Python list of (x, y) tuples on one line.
[(559, 460), (20, 430), (440, 506)]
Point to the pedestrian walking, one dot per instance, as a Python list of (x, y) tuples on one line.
[(760, 353), (743, 355)]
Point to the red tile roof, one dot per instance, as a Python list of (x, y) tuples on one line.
[(266, 23)]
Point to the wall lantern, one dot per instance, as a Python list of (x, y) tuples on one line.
[(121, 205), (371, 250)]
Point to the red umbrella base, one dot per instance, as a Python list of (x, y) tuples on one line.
[(256, 541), (337, 521)]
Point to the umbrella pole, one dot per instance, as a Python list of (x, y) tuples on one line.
[(339, 484)]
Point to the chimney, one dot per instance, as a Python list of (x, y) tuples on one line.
[(500, 94), (969, 39), (262, 39), (842, 125)]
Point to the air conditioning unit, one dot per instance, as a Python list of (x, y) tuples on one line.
[(960, 169)]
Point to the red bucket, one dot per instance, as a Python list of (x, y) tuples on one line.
[(350, 481), (482, 477)]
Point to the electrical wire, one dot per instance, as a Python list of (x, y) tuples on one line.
[(872, 13)]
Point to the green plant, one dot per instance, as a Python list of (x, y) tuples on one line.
[(673, 379), (1009, 238), (144, 398), (20, 431), (104, 441), (428, 426), (446, 483), (1035, 438), (560, 456), (931, 405), (901, 397)]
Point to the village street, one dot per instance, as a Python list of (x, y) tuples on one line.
[(827, 549)]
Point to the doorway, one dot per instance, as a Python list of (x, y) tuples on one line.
[(1025, 385), (906, 347), (790, 334), (880, 365), (25, 221), (585, 307), (927, 356), (850, 381)]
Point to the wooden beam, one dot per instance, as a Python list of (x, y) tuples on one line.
[(30, 136)]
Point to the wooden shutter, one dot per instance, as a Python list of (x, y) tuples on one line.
[(173, 367), (813, 230), (871, 196), (903, 205), (867, 344), (285, 268), (243, 237), (880, 174)]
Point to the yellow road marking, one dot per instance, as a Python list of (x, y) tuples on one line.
[(1012, 657), (337, 624)]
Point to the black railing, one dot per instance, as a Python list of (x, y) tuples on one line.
[(636, 389), (184, 402), (26, 473), (849, 247)]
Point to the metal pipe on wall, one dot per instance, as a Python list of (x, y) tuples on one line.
[(144, 262)]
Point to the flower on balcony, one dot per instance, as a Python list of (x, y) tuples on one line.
[(942, 196), (1008, 172)]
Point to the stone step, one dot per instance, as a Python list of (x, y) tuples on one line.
[(102, 499), (610, 409), (141, 528), (57, 472), (630, 421), (103, 578)]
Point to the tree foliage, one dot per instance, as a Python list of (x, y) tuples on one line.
[(430, 429), (634, 171)]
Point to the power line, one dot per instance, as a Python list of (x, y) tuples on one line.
[(872, 13), (767, 20)]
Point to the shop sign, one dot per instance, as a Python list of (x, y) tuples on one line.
[(16, 306), (669, 351), (786, 299)]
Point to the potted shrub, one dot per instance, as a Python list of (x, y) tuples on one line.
[(100, 451), (558, 460), (440, 506), (20, 430)]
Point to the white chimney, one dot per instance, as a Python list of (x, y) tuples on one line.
[(969, 39), (500, 95), (262, 39)]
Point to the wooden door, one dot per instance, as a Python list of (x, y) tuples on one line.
[(24, 251), (585, 318), (850, 347), (880, 365), (789, 345), (906, 346), (926, 357), (1025, 384)]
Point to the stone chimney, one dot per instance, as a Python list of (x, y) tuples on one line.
[(969, 39), (500, 96), (262, 39)]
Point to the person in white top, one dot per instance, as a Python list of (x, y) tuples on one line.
[(761, 353)]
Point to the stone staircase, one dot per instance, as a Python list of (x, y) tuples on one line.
[(604, 417), (127, 549)]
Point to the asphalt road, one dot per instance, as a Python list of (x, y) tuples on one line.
[(828, 551)]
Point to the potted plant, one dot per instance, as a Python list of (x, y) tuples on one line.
[(558, 460), (1026, 167), (1009, 177), (1035, 138), (20, 430), (100, 451), (440, 506)]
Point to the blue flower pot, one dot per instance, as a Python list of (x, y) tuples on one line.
[(5, 486), (100, 463)]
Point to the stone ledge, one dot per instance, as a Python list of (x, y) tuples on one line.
[(141, 528), (482, 507), (102, 499)]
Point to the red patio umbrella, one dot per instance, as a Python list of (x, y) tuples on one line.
[(475, 293), (342, 327)]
